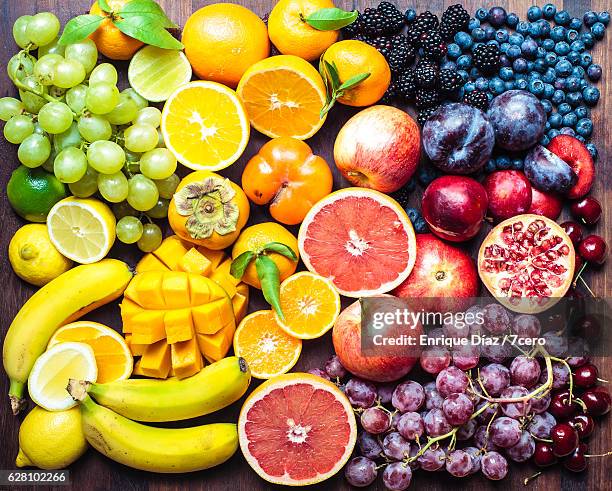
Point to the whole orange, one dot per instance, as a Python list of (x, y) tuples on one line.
[(110, 41), (223, 40), (353, 58), (292, 35)]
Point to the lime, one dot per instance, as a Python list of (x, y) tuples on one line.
[(33, 192), (155, 72)]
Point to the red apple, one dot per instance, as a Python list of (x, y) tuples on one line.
[(444, 277), (545, 203), (509, 193), (378, 148)]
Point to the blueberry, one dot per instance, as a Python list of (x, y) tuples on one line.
[(481, 83), (549, 11), (547, 105), (504, 60), (419, 224), (563, 68), (573, 57), (491, 166), (555, 120), (541, 52), (571, 35), (540, 66), (501, 35), (516, 39), (592, 148), (517, 164), (584, 127), (531, 74), (545, 140), (562, 48), (572, 84), (586, 60), (562, 18), (497, 86), (536, 87), (469, 87), (604, 18), (410, 185), (506, 73), (570, 119), (552, 133), (503, 47), (564, 108), (582, 112), (489, 32), (427, 173), (534, 13), (594, 72), (464, 75), (493, 42), (463, 39), (510, 85), (557, 33), (598, 30), (512, 19), (482, 14), (580, 138), (479, 34), (534, 30), (497, 16), (589, 18), (544, 28), (590, 95), (549, 76), (474, 72), (549, 90), (588, 39), (548, 44), (464, 62), (575, 23), (551, 58), (579, 73), (567, 131), (503, 162), (574, 99), (520, 65), (529, 47), (578, 46), (513, 52), (522, 28), (453, 51), (560, 84), (473, 24), (521, 84)]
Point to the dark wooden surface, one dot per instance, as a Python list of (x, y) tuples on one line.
[(96, 472)]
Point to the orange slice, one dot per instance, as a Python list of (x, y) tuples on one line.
[(205, 125), (268, 349), (113, 356), (283, 96), (310, 304)]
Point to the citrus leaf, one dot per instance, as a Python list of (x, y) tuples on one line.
[(148, 31), (281, 249), (79, 28), (103, 4), (331, 19), (354, 80), (146, 8), (239, 265), (332, 74), (269, 277)]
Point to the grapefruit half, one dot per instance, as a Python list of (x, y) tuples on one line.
[(297, 429), (360, 239)]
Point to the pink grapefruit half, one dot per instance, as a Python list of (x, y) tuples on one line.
[(360, 239), (297, 429)]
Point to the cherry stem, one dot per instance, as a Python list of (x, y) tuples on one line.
[(587, 287), (531, 478), (579, 275), (607, 454), (603, 380)]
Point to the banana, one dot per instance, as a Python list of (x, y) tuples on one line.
[(214, 387), (64, 299), (167, 450)]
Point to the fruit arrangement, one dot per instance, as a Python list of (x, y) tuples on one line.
[(266, 246)]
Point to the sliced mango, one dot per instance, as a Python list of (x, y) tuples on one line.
[(146, 290), (128, 310), (186, 358), (215, 257), (195, 262), (215, 346), (148, 327), (171, 251), (156, 360), (150, 263), (179, 325), (135, 349), (175, 289), (224, 281)]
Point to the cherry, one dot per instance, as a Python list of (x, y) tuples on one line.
[(586, 376), (583, 424), (576, 461), (588, 210), (560, 406), (573, 230), (564, 439), (597, 401), (593, 249), (543, 455)]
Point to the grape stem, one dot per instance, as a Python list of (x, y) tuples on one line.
[(530, 478), (46, 97)]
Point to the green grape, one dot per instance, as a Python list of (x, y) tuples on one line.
[(55, 117), (53, 48), (34, 150), (32, 102), (86, 186), (160, 210), (68, 73), (168, 186), (20, 66), (129, 229), (18, 128), (160, 139), (124, 111), (142, 193), (43, 28), (48, 165), (75, 98), (93, 128), (44, 68), (140, 101), (123, 209), (158, 163), (57, 93), (103, 73), (101, 98), (85, 52), (70, 165), (148, 115), (20, 28), (9, 107), (113, 187), (140, 138), (69, 138), (105, 156), (151, 238), (38, 129), (132, 157)]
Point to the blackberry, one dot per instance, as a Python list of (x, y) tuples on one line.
[(393, 14), (427, 98), (432, 45), (350, 31), (454, 19), (425, 22), (425, 114), (382, 44), (450, 80), (406, 84), (486, 57), (381, 21), (402, 196), (426, 74), (391, 94), (401, 55), (478, 99)]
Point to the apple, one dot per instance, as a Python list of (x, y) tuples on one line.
[(544, 203)]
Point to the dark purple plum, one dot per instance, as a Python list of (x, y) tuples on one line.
[(458, 138), (547, 172), (518, 119)]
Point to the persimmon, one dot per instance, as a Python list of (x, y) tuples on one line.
[(286, 174)]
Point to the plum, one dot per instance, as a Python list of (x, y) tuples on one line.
[(575, 154), (547, 172), (509, 193), (547, 204), (518, 119), (458, 138)]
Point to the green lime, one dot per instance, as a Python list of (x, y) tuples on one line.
[(33, 192)]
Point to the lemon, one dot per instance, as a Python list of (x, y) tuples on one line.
[(82, 229), (51, 439), (54, 368), (33, 256), (155, 72)]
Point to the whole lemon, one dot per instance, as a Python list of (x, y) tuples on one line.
[(33, 256), (51, 439)]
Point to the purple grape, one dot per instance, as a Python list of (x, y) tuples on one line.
[(541, 424), (394, 419), (555, 344), (368, 445), (524, 449), (397, 476), (334, 368), (385, 392), (451, 380), (505, 432), (482, 441), (540, 402), (395, 446), (458, 409), (496, 319), (459, 463), (561, 376), (360, 393), (494, 466), (375, 420), (466, 357), (496, 353), (476, 455), (360, 472), (455, 330), (432, 459), (408, 396), (515, 409), (436, 423), (495, 378), (489, 413), (433, 399), (526, 326), (524, 371), (414, 464), (466, 431), (433, 361), (474, 318), (319, 373), (410, 425)]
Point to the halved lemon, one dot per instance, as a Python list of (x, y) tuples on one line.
[(283, 96), (205, 125), (82, 229), (53, 370)]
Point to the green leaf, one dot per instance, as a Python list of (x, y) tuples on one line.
[(354, 80), (148, 31), (280, 248), (332, 73), (103, 4), (146, 8), (269, 277), (239, 265), (331, 19), (79, 28)]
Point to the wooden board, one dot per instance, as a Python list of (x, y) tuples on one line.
[(96, 472)]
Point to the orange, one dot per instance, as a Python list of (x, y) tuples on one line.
[(110, 41), (268, 350), (287, 175), (113, 356), (353, 57), (292, 36), (223, 40), (310, 304), (254, 238), (283, 96)]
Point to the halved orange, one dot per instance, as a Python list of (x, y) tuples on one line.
[(113, 356), (205, 125), (283, 96), (310, 304), (266, 347)]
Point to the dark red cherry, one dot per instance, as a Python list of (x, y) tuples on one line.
[(587, 210), (583, 424), (573, 230), (593, 249), (586, 376), (597, 401), (560, 406), (543, 455), (576, 461), (564, 439)]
